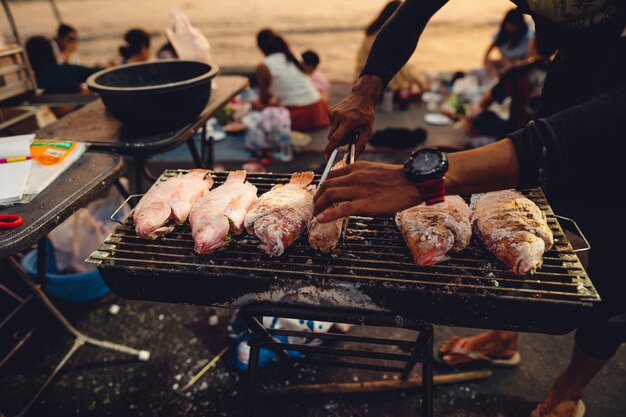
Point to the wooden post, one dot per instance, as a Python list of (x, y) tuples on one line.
[(379, 385)]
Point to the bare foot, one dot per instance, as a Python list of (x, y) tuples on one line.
[(495, 344), (564, 409), (561, 401)]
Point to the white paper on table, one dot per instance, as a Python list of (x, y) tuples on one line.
[(14, 175)]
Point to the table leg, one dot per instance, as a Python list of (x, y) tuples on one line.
[(203, 144), (140, 164), (41, 262), (194, 153), (80, 338), (211, 153)]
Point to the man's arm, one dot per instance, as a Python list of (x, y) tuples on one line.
[(392, 48), (374, 188), (397, 40), (548, 148)]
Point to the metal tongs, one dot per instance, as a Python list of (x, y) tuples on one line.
[(350, 157)]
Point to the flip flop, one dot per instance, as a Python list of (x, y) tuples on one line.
[(478, 360), (580, 410)]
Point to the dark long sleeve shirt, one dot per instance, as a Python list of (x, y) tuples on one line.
[(585, 105)]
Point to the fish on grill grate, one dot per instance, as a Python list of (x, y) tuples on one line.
[(324, 237), (222, 210), (513, 228), (170, 200), (432, 231), (280, 216)]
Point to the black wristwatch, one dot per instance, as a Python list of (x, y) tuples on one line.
[(426, 168)]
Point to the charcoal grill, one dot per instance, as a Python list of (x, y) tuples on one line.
[(371, 273)]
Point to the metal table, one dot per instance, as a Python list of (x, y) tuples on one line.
[(84, 181), (95, 125)]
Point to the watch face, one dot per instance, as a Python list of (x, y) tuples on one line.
[(426, 161)]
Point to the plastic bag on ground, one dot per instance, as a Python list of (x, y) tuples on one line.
[(239, 336), (78, 236)]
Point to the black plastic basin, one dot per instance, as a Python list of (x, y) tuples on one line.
[(155, 94)]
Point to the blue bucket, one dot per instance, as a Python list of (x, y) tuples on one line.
[(79, 287)]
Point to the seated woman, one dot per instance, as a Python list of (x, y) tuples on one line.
[(408, 74), (524, 84), (52, 77), (136, 48), (67, 43), (283, 82), (512, 41)]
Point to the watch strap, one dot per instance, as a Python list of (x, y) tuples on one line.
[(432, 191)]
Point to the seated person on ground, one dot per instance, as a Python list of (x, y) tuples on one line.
[(136, 48), (52, 77), (310, 62), (66, 44), (512, 41), (283, 82), (523, 83)]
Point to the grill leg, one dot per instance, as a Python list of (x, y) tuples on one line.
[(427, 374), (415, 353), (253, 365), (194, 153)]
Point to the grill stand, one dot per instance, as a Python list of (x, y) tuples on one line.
[(420, 350), (80, 339)]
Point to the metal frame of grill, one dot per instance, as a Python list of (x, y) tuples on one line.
[(370, 279), (372, 270)]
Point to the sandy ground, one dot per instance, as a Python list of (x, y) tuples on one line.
[(456, 37)]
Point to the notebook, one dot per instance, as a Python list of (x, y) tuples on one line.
[(13, 175)]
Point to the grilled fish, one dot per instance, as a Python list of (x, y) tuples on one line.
[(324, 237), (513, 228), (280, 216), (220, 211), (431, 232), (170, 200)]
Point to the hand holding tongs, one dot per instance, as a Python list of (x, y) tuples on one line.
[(350, 156)]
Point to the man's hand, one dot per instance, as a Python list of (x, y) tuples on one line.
[(354, 115), (364, 188)]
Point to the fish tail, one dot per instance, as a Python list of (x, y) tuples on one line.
[(301, 179), (198, 172), (236, 177)]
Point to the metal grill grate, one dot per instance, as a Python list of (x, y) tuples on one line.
[(373, 260)]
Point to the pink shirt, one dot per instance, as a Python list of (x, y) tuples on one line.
[(321, 83)]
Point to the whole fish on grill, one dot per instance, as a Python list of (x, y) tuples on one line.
[(170, 200), (432, 231), (324, 237), (220, 211), (513, 228), (280, 216)]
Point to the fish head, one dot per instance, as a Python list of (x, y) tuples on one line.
[(150, 217), (212, 235)]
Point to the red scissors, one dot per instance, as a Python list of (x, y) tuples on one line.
[(10, 221)]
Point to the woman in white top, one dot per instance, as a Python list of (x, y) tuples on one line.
[(283, 82)]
